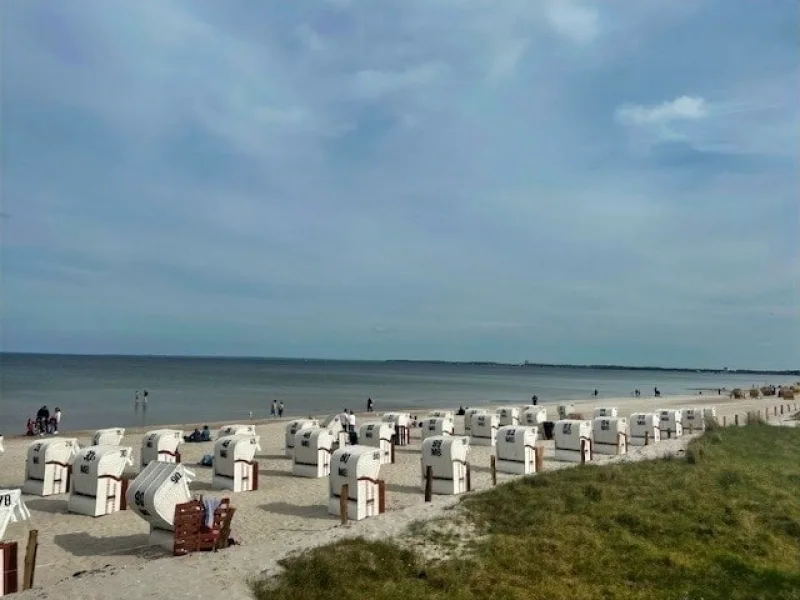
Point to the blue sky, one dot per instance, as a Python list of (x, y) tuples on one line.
[(558, 180)]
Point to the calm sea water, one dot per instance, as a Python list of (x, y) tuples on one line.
[(98, 391)]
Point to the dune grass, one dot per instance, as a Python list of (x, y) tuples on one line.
[(723, 522)]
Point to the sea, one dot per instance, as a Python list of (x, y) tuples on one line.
[(98, 391)]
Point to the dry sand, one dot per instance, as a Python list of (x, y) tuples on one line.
[(287, 514)]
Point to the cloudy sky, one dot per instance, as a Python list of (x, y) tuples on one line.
[(557, 181)]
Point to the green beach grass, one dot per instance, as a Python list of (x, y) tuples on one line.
[(721, 522)]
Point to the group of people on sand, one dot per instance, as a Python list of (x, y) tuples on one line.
[(198, 436), (44, 423)]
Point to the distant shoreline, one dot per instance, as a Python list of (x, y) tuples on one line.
[(525, 364)]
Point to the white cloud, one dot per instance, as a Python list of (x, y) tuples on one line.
[(574, 21), (682, 108), (507, 57), (372, 84), (310, 38)]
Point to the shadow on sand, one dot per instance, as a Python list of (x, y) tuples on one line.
[(315, 511), (83, 544), (55, 505)]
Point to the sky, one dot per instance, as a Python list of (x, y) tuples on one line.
[(554, 181)]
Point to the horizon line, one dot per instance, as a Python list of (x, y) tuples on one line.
[(523, 363)]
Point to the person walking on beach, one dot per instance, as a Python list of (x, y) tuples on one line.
[(595, 394), (534, 399), (56, 420), (280, 409), (351, 421), (370, 405), (273, 411)]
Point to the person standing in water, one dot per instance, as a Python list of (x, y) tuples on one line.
[(280, 409), (144, 400), (136, 400)]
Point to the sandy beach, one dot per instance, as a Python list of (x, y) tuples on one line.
[(108, 557)]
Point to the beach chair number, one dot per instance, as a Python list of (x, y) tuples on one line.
[(176, 477), (36, 460), (223, 453), (432, 426), (345, 457), (225, 443), (304, 443), (37, 447), (138, 498), (5, 500), (642, 420), (605, 425), (90, 456), (567, 429), (436, 448), (85, 469), (376, 456), (149, 444), (342, 472), (510, 434)]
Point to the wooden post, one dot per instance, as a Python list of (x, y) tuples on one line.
[(469, 478), (30, 559), (539, 458), (647, 437), (691, 429), (781, 408), (381, 496), (9, 577), (724, 421), (428, 483), (583, 452), (343, 500), (669, 434), (392, 450), (493, 467), (736, 419)]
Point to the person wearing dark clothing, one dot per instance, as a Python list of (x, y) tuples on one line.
[(43, 418), (193, 437), (461, 411), (534, 399), (656, 393), (370, 405)]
